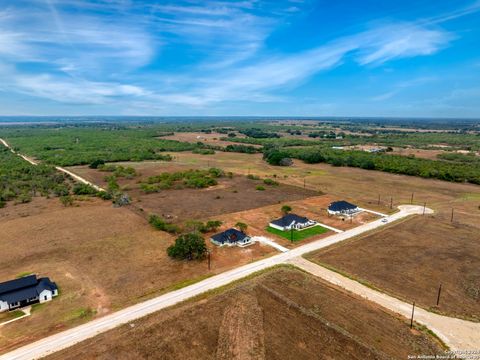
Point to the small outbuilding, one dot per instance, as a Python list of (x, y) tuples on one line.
[(292, 221), (343, 208), (231, 237), (26, 291)]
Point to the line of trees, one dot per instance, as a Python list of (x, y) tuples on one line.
[(455, 172)]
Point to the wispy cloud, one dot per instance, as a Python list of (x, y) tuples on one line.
[(85, 51), (399, 87)]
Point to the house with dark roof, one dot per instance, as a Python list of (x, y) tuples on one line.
[(292, 221), (231, 237), (26, 291), (343, 208)]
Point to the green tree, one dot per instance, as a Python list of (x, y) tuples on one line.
[(96, 163), (286, 209), (241, 226), (189, 246), (213, 225)]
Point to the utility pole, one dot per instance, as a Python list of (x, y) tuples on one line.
[(378, 199), (391, 202), (424, 207), (439, 292), (413, 312), (208, 254), (411, 200), (451, 219), (304, 183)]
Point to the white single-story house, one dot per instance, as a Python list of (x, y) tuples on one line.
[(343, 208), (26, 291), (231, 237), (292, 221)]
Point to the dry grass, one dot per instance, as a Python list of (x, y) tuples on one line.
[(102, 258), (284, 314), (411, 259)]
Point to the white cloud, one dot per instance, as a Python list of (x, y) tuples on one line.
[(75, 91), (400, 41)]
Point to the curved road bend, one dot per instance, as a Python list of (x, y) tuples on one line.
[(59, 168), (456, 333), (75, 335)]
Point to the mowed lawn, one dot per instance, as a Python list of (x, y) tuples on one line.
[(298, 235)]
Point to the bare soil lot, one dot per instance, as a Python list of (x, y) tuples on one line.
[(229, 196), (102, 258), (419, 153), (411, 259), (361, 187), (282, 314)]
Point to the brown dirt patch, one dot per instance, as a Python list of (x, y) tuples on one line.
[(102, 258), (229, 196), (419, 153), (241, 335), (302, 318), (411, 259)]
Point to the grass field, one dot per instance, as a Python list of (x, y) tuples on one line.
[(105, 258), (298, 235), (281, 314), (411, 259)]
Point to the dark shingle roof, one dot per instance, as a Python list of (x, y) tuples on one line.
[(230, 236), (17, 284), (19, 295), (288, 219), (341, 206), (24, 288)]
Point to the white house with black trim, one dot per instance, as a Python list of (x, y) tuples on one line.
[(343, 208), (292, 221), (26, 291), (231, 237)]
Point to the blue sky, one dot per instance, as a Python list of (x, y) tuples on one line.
[(247, 57)]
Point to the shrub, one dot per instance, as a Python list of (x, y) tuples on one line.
[(23, 198), (213, 225), (286, 209), (204, 151), (84, 189), (188, 247), (66, 200), (104, 195), (96, 163), (260, 188), (195, 179), (241, 226), (270, 182), (158, 223), (253, 177)]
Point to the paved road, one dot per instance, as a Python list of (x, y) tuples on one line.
[(457, 334), (59, 168), (72, 336)]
